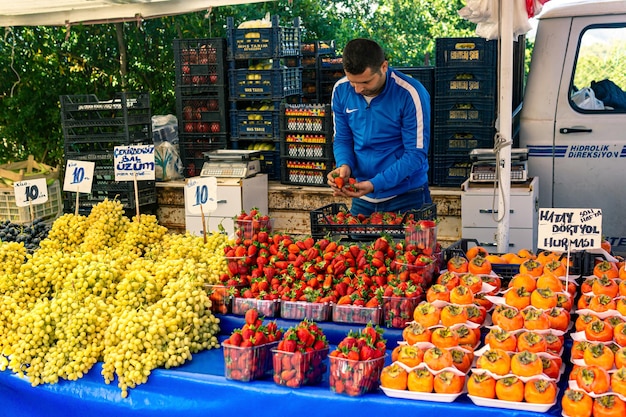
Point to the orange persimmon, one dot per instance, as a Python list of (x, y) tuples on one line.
[(525, 281), (481, 385), (593, 379), (510, 388), (449, 279), (551, 367), (457, 263), (540, 391), (543, 298), (394, 376), (583, 302), (496, 361), (512, 258), (619, 334), (467, 336), (394, 353), (618, 381), (461, 295), (576, 403), (554, 343), (546, 256), (532, 267), (559, 318), (476, 313), (609, 406), (415, 332), (426, 314), (420, 380), (438, 292), (447, 382), (411, 356), (517, 297), (550, 281), (599, 354), (507, 318), (555, 267), (479, 265), (461, 359), (482, 300), (526, 364), (495, 259), (582, 321), (620, 357), (613, 321), (526, 253), (606, 268), (453, 314), (494, 280), (437, 358), (444, 337), (620, 306), (531, 341), (578, 348), (476, 251), (565, 301), (472, 281), (605, 285), (621, 273), (501, 339), (535, 319), (598, 331)]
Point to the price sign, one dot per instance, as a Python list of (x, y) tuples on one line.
[(201, 194), (30, 192), (78, 176), (563, 230), (134, 162)]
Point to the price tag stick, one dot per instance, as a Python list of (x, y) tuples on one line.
[(567, 265), (203, 223), (77, 196), (32, 213), (136, 195)]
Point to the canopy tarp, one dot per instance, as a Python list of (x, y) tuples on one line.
[(68, 12)]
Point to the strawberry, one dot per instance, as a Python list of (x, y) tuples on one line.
[(251, 316)]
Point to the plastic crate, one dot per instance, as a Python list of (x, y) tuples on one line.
[(322, 225), (305, 150), (207, 108), (266, 42), (255, 124), (193, 146), (147, 197), (268, 84), (461, 138), (270, 164), (21, 215), (200, 63), (307, 118), (460, 82), (305, 172), (466, 52), (425, 75), (450, 170), (318, 48), (471, 111)]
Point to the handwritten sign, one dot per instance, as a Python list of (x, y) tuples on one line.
[(201, 195), (30, 192), (78, 176), (134, 162), (563, 229)]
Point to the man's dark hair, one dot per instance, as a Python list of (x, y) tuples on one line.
[(360, 54)]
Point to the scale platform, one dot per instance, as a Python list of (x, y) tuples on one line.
[(231, 163), (484, 166)]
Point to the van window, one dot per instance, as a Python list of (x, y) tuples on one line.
[(599, 77)]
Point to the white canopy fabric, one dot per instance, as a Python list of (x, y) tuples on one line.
[(68, 12)]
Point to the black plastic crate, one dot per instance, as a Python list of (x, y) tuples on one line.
[(450, 170), (272, 84), (147, 198), (322, 223), (306, 118), (263, 42), (270, 164), (123, 108), (305, 172), (472, 51), (200, 63), (453, 110), (255, 124), (457, 139), (473, 82), (202, 113), (318, 48), (425, 75), (305, 149)]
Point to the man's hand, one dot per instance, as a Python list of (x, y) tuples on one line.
[(358, 189), (338, 178)]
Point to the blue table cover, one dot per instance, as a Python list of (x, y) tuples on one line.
[(199, 388)]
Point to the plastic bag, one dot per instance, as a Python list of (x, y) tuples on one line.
[(167, 161), (164, 128), (485, 14), (586, 99)]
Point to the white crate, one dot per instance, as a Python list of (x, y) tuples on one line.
[(20, 215)]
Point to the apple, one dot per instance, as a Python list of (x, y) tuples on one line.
[(186, 69), (215, 127), (187, 113), (189, 127), (203, 127), (199, 112), (213, 104), (213, 78)]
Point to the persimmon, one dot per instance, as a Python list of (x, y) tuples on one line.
[(479, 265), (496, 361), (472, 281), (453, 314), (551, 367), (554, 343), (587, 285), (466, 335), (606, 268), (618, 381), (457, 263), (394, 376), (481, 385), (620, 306), (410, 355), (540, 391), (598, 331), (526, 254), (619, 334), (532, 267), (495, 259), (444, 337), (476, 251), (620, 357), (593, 379), (449, 279), (583, 302), (531, 341), (614, 321), (609, 406), (606, 245), (621, 274), (574, 372), (476, 314), (546, 256), (437, 358), (551, 282), (501, 339), (578, 348), (512, 258), (426, 314), (559, 318), (461, 295), (461, 360), (599, 354), (555, 267), (565, 301), (482, 300), (576, 403), (605, 285), (525, 281), (394, 353), (507, 318), (517, 297), (535, 319), (438, 292), (510, 388), (582, 320), (543, 298), (415, 332), (526, 364), (420, 380), (447, 382), (493, 280)]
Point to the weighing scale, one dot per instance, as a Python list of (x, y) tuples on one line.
[(484, 165), (231, 163)]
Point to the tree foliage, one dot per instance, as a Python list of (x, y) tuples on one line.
[(40, 64)]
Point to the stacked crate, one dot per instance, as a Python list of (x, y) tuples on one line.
[(315, 76), (265, 71), (330, 70), (201, 99), (306, 144), (92, 128)]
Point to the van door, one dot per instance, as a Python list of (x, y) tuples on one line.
[(589, 152)]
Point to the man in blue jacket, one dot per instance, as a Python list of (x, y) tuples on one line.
[(382, 133)]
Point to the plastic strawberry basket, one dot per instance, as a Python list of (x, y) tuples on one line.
[(322, 224), (356, 314), (295, 369), (354, 378), (248, 363)]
